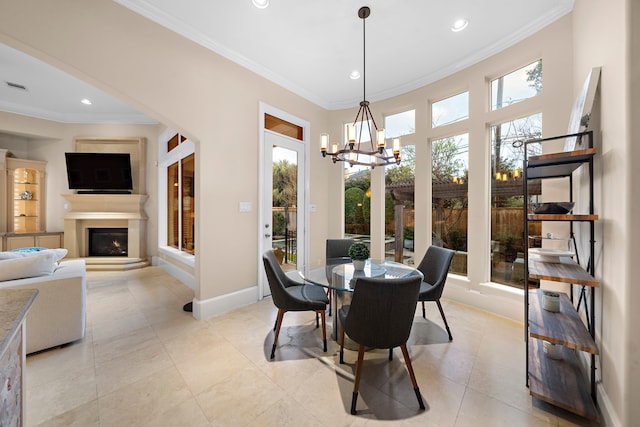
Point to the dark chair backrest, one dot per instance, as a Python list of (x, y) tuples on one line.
[(337, 253), (435, 266), (278, 281), (382, 311)]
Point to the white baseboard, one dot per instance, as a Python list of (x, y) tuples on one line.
[(178, 273), (609, 416), (204, 309)]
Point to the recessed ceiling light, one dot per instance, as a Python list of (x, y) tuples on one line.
[(459, 25), (355, 75), (260, 4), (85, 101)]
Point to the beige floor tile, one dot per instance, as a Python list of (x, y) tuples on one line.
[(144, 400), (186, 414), (51, 365), (131, 367), (204, 369), (286, 412), (85, 415), (124, 324), (240, 399), (60, 395), (479, 409), (120, 345)]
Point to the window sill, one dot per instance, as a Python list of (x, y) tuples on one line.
[(179, 256)]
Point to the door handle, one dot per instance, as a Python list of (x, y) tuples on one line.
[(267, 235)]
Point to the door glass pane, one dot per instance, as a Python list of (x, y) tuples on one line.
[(172, 205), (188, 203), (285, 206), (507, 216), (450, 172)]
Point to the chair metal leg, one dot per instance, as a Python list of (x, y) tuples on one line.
[(356, 384), (424, 313), (317, 320), (391, 353), (407, 361), (330, 295), (277, 332), (446, 325)]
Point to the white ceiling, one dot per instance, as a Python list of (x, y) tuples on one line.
[(306, 46)]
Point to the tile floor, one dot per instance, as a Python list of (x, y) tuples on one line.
[(146, 362)]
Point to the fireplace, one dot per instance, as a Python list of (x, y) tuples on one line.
[(108, 242)]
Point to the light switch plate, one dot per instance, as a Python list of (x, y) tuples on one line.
[(245, 207)]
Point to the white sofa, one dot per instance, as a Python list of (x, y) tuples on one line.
[(58, 315)]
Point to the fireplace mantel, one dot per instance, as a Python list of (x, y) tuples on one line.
[(85, 211)]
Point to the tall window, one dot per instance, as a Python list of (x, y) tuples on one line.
[(177, 156), (181, 204), (450, 172), (507, 221)]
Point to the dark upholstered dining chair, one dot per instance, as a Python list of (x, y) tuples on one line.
[(337, 252), (435, 266), (289, 295), (380, 316)]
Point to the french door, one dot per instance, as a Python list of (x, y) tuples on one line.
[(283, 219)]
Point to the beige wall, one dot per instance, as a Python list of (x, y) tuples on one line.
[(601, 32)]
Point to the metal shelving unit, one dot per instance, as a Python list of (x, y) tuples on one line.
[(562, 382)]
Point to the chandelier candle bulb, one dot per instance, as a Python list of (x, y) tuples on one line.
[(324, 142), (351, 133), (381, 142), (396, 145)]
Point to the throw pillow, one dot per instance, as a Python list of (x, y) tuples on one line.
[(59, 253), (42, 264)]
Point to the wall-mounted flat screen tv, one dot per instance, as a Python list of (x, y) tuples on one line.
[(99, 172)]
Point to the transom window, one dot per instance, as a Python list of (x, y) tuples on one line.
[(517, 86), (450, 110)]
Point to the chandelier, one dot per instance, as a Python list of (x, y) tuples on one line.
[(356, 151)]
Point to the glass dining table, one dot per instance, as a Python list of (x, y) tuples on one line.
[(341, 280)]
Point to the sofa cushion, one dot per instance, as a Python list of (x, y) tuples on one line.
[(59, 253), (42, 264)]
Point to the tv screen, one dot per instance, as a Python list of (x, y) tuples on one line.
[(102, 172)]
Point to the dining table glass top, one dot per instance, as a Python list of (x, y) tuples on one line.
[(342, 277)]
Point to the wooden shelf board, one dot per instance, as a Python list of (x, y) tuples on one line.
[(562, 157), (561, 217), (560, 382), (564, 328), (566, 271)]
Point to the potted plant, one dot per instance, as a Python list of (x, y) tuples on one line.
[(407, 234), (359, 254)]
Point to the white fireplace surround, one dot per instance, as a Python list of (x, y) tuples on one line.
[(87, 211)]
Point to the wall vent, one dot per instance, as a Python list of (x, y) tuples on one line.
[(16, 85)]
